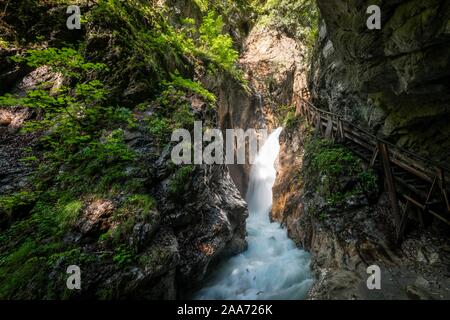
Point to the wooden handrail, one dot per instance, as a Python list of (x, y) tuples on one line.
[(392, 156), (396, 150)]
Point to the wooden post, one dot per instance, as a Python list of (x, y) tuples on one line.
[(340, 130), (374, 157), (430, 192), (441, 179), (402, 226), (329, 129), (319, 123), (390, 183)]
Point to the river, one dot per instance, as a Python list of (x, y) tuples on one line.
[(272, 267)]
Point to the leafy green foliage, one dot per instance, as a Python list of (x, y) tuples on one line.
[(67, 61), (192, 86), (368, 180), (18, 199), (217, 45), (297, 18), (76, 120), (83, 151), (173, 112), (332, 160), (123, 256)]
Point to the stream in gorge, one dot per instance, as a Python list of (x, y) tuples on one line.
[(272, 267)]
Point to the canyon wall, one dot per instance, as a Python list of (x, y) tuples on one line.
[(145, 228), (394, 81), (274, 68)]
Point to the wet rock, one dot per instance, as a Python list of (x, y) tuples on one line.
[(220, 213)]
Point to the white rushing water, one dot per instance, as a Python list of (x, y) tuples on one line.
[(272, 267)]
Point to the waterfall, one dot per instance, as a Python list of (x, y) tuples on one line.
[(260, 99), (272, 267)]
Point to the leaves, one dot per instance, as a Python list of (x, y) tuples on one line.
[(215, 44), (297, 18), (66, 61), (192, 86)]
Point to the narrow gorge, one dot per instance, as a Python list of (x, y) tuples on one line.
[(88, 118)]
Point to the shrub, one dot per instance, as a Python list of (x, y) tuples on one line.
[(216, 45), (181, 180), (297, 18)]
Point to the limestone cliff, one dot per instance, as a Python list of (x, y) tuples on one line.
[(394, 81)]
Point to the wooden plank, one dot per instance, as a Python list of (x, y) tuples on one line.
[(329, 128), (410, 187), (424, 208), (413, 201), (390, 183), (374, 157), (412, 170), (354, 133), (404, 156), (403, 221), (340, 130), (430, 193), (318, 121), (439, 217), (358, 141)]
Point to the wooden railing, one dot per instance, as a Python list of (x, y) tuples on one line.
[(416, 181)]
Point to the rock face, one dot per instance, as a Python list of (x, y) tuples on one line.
[(394, 81), (174, 243), (237, 109), (274, 67)]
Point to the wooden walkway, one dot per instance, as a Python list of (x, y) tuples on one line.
[(419, 183)]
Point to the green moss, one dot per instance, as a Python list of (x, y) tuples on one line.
[(16, 202), (291, 121), (69, 213), (193, 87), (181, 180), (143, 201), (137, 207), (4, 44), (341, 173), (329, 158), (123, 256)]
